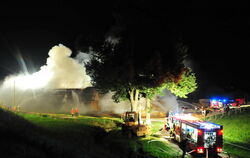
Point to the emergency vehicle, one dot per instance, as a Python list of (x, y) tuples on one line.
[(132, 125), (218, 104), (203, 136), (237, 102)]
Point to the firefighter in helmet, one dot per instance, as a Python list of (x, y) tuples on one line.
[(76, 111), (72, 112), (183, 146)]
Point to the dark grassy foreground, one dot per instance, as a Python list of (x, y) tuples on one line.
[(236, 132), (58, 135)]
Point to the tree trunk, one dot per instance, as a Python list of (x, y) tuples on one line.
[(148, 111), (134, 96), (139, 113), (131, 94)]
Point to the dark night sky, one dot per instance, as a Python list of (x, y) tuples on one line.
[(218, 38)]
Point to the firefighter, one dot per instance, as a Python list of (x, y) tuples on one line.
[(76, 111), (204, 111), (183, 146), (131, 119), (72, 112), (226, 108), (196, 108), (167, 114), (167, 127), (14, 108), (18, 108), (183, 110)]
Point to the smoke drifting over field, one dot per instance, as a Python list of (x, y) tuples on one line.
[(60, 71), (167, 102), (108, 105), (60, 85), (37, 91)]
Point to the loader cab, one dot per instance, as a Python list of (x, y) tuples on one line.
[(131, 118)]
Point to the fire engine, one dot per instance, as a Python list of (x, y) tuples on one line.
[(218, 104), (221, 104), (202, 135), (237, 102)]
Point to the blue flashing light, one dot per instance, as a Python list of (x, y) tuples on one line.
[(220, 100), (213, 99), (209, 125)]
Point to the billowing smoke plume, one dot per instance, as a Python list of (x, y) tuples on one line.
[(60, 85), (65, 71), (57, 87), (61, 71), (108, 105), (167, 102), (36, 90)]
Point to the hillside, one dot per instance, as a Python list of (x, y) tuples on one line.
[(236, 126), (59, 135)]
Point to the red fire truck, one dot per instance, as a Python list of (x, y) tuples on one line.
[(218, 104), (203, 136), (237, 102)]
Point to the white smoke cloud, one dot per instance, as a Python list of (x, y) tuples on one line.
[(167, 102), (46, 89), (66, 72), (108, 105), (60, 72), (83, 58)]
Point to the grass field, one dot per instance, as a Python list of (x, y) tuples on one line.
[(59, 135), (236, 132)]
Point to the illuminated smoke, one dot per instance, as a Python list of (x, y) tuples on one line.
[(108, 105), (167, 102), (60, 72), (83, 58), (46, 89), (66, 72)]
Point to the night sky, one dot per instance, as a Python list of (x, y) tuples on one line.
[(218, 38)]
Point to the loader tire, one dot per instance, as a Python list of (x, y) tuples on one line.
[(130, 134)]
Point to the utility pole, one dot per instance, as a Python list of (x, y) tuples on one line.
[(206, 153), (14, 94)]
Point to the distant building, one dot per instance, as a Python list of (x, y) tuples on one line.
[(204, 102), (88, 97)]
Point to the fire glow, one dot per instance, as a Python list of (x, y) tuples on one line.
[(30, 81), (60, 71)]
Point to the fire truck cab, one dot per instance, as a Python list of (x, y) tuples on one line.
[(218, 104), (202, 135), (237, 102)]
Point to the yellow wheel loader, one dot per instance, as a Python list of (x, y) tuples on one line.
[(133, 127)]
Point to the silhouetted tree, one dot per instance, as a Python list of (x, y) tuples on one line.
[(136, 57)]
